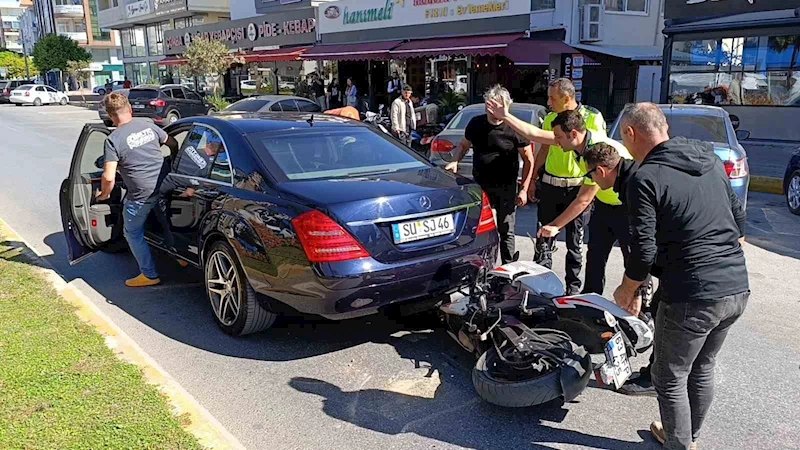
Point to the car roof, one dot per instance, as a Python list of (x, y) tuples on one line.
[(274, 98), (522, 106), (260, 122), (706, 110)]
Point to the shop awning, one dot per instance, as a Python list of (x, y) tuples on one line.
[(473, 45), (531, 52), (172, 61), (283, 54), (352, 52)]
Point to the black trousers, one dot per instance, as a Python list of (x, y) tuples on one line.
[(552, 202), (503, 201), (609, 224)]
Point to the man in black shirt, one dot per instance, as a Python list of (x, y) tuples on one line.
[(687, 226), (319, 92), (496, 149)]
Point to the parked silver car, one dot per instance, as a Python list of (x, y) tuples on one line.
[(711, 124), (279, 103), (101, 108)]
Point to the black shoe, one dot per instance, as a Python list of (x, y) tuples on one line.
[(639, 386), (573, 291)]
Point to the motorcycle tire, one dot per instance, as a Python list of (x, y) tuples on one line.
[(521, 394)]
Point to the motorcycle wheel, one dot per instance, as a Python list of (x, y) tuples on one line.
[(513, 394)]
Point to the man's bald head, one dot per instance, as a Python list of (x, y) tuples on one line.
[(643, 126)]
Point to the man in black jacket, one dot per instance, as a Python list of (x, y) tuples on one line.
[(686, 229)]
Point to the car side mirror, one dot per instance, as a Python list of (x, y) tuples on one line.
[(734, 121), (742, 135)]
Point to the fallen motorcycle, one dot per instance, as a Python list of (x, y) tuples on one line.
[(534, 344)]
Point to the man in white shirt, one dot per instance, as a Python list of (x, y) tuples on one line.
[(404, 120)]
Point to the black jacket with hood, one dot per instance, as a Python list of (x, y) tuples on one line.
[(685, 223)]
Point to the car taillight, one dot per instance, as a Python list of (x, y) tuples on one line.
[(736, 169), (326, 241), (486, 223), (158, 103), (441, 146), (6, 92), (27, 93)]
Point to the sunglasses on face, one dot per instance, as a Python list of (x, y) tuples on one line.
[(590, 174)]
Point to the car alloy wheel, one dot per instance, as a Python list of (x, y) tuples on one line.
[(37, 102), (223, 288), (793, 193), (63, 101), (172, 118)]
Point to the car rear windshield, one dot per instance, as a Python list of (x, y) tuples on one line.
[(344, 153), (140, 94), (693, 126), (25, 87), (462, 118), (247, 105)]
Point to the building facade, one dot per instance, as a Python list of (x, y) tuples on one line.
[(746, 61), (79, 21), (143, 23), (10, 32)]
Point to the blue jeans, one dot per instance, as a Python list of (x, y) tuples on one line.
[(135, 215), (688, 337)]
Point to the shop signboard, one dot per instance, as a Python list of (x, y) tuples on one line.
[(692, 9), (295, 27), (137, 8), (353, 15), (572, 69), (162, 7)]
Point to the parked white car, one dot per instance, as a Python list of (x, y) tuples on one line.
[(37, 95)]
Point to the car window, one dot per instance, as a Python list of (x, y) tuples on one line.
[(345, 153), (40, 89), (176, 93), (3, 85), (49, 89), (198, 153), (25, 87), (248, 105), (461, 119), (142, 94), (693, 126), (93, 153), (275, 107), (288, 105), (191, 95), (308, 106)]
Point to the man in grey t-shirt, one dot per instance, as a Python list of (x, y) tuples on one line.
[(135, 149)]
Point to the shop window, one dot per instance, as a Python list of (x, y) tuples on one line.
[(155, 40), (542, 5), (627, 6)]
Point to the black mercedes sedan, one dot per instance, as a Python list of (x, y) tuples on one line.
[(316, 212)]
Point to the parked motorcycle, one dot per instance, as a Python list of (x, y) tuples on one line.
[(533, 343)]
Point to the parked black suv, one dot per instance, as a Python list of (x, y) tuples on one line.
[(6, 86), (168, 103)]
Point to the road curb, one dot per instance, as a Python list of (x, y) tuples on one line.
[(767, 185), (208, 431)]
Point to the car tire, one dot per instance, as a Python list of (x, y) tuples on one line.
[(793, 193), (101, 92), (226, 283), (63, 101), (37, 102), (172, 117), (108, 123)]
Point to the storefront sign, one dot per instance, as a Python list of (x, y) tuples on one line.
[(572, 68), (136, 8), (162, 7), (686, 9), (295, 27), (352, 15)]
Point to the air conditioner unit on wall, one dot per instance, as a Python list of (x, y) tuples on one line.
[(592, 23)]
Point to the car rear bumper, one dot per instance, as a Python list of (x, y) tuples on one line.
[(366, 292), (154, 116), (21, 99), (740, 187)]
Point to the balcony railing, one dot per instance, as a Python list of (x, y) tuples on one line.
[(68, 10), (79, 36)]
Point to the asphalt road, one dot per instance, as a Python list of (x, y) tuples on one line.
[(380, 383)]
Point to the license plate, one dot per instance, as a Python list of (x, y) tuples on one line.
[(617, 359), (417, 230), (138, 106), (16, 94)]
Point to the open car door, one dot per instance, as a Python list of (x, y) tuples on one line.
[(88, 224)]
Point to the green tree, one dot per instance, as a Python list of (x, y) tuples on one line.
[(205, 58), (15, 64), (54, 51), (81, 72)]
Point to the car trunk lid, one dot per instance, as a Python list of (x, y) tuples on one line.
[(141, 100), (373, 209)]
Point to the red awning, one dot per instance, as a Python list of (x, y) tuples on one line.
[(359, 51), (530, 52), (283, 54), (472, 45), (172, 61)]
